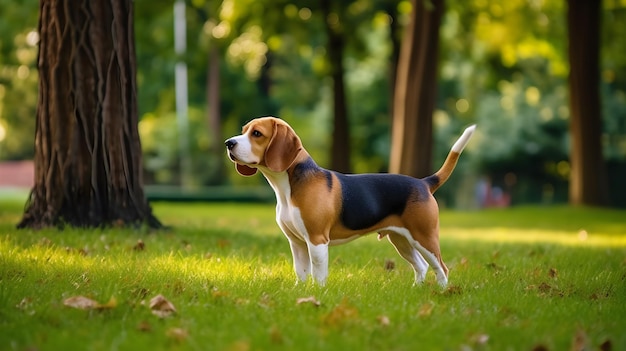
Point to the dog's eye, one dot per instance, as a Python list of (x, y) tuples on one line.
[(256, 133)]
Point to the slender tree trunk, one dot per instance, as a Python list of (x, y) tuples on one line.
[(214, 110), (340, 157), (391, 8), (87, 150), (415, 92), (588, 180)]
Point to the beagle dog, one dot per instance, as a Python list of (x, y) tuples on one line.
[(317, 207)]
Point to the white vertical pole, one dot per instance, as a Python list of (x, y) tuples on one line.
[(180, 46)]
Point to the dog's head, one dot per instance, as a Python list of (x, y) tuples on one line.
[(266, 143)]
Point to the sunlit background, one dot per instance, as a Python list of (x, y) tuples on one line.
[(503, 65)]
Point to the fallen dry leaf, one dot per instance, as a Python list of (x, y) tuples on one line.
[(177, 334), (219, 293), (275, 335), (139, 246), (544, 288), (161, 307), (311, 299), (453, 290), (579, 343), (494, 266), (390, 265), (186, 245), (480, 339), (598, 296), (241, 345), (383, 320), (222, 243), (242, 302), (341, 313), (45, 242), (85, 303), (606, 346), (426, 309), (552, 273), (144, 326), (81, 302)]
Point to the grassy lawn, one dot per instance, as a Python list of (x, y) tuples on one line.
[(551, 278)]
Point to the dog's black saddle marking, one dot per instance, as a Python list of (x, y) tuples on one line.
[(368, 198), (304, 170)]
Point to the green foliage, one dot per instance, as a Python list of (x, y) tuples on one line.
[(508, 65), (519, 279), (18, 78), (502, 65)]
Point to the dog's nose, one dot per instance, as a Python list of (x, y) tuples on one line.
[(230, 144)]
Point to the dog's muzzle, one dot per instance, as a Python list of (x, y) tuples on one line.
[(230, 144)]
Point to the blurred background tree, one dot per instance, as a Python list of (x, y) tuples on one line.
[(502, 65), (588, 172), (416, 91)]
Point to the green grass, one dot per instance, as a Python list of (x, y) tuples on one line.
[(519, 279)]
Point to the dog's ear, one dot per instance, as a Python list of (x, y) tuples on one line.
[(245, 170), (282, 149)]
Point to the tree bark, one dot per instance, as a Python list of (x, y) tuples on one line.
[(391, 8), (88, 164), (415, 92), (214, 110), (588, 179), (340, 157)]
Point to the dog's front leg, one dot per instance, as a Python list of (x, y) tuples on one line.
[(301, 259), (319, 262)]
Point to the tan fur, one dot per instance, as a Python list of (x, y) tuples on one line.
[(446, 170), (282, 149), (318, 219)]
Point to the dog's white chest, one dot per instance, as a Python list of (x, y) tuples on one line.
[(288, 216)]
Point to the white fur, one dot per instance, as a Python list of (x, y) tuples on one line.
[(343, 241), (307, 258), (301, 258), (463, 139), (319, 262), (243, 151), (419, 257)]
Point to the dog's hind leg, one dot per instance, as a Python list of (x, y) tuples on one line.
[(434, 258), (410, 254)]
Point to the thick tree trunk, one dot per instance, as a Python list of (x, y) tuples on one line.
[(87, 150), (340, 157), (415, 92), (588, 180)]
